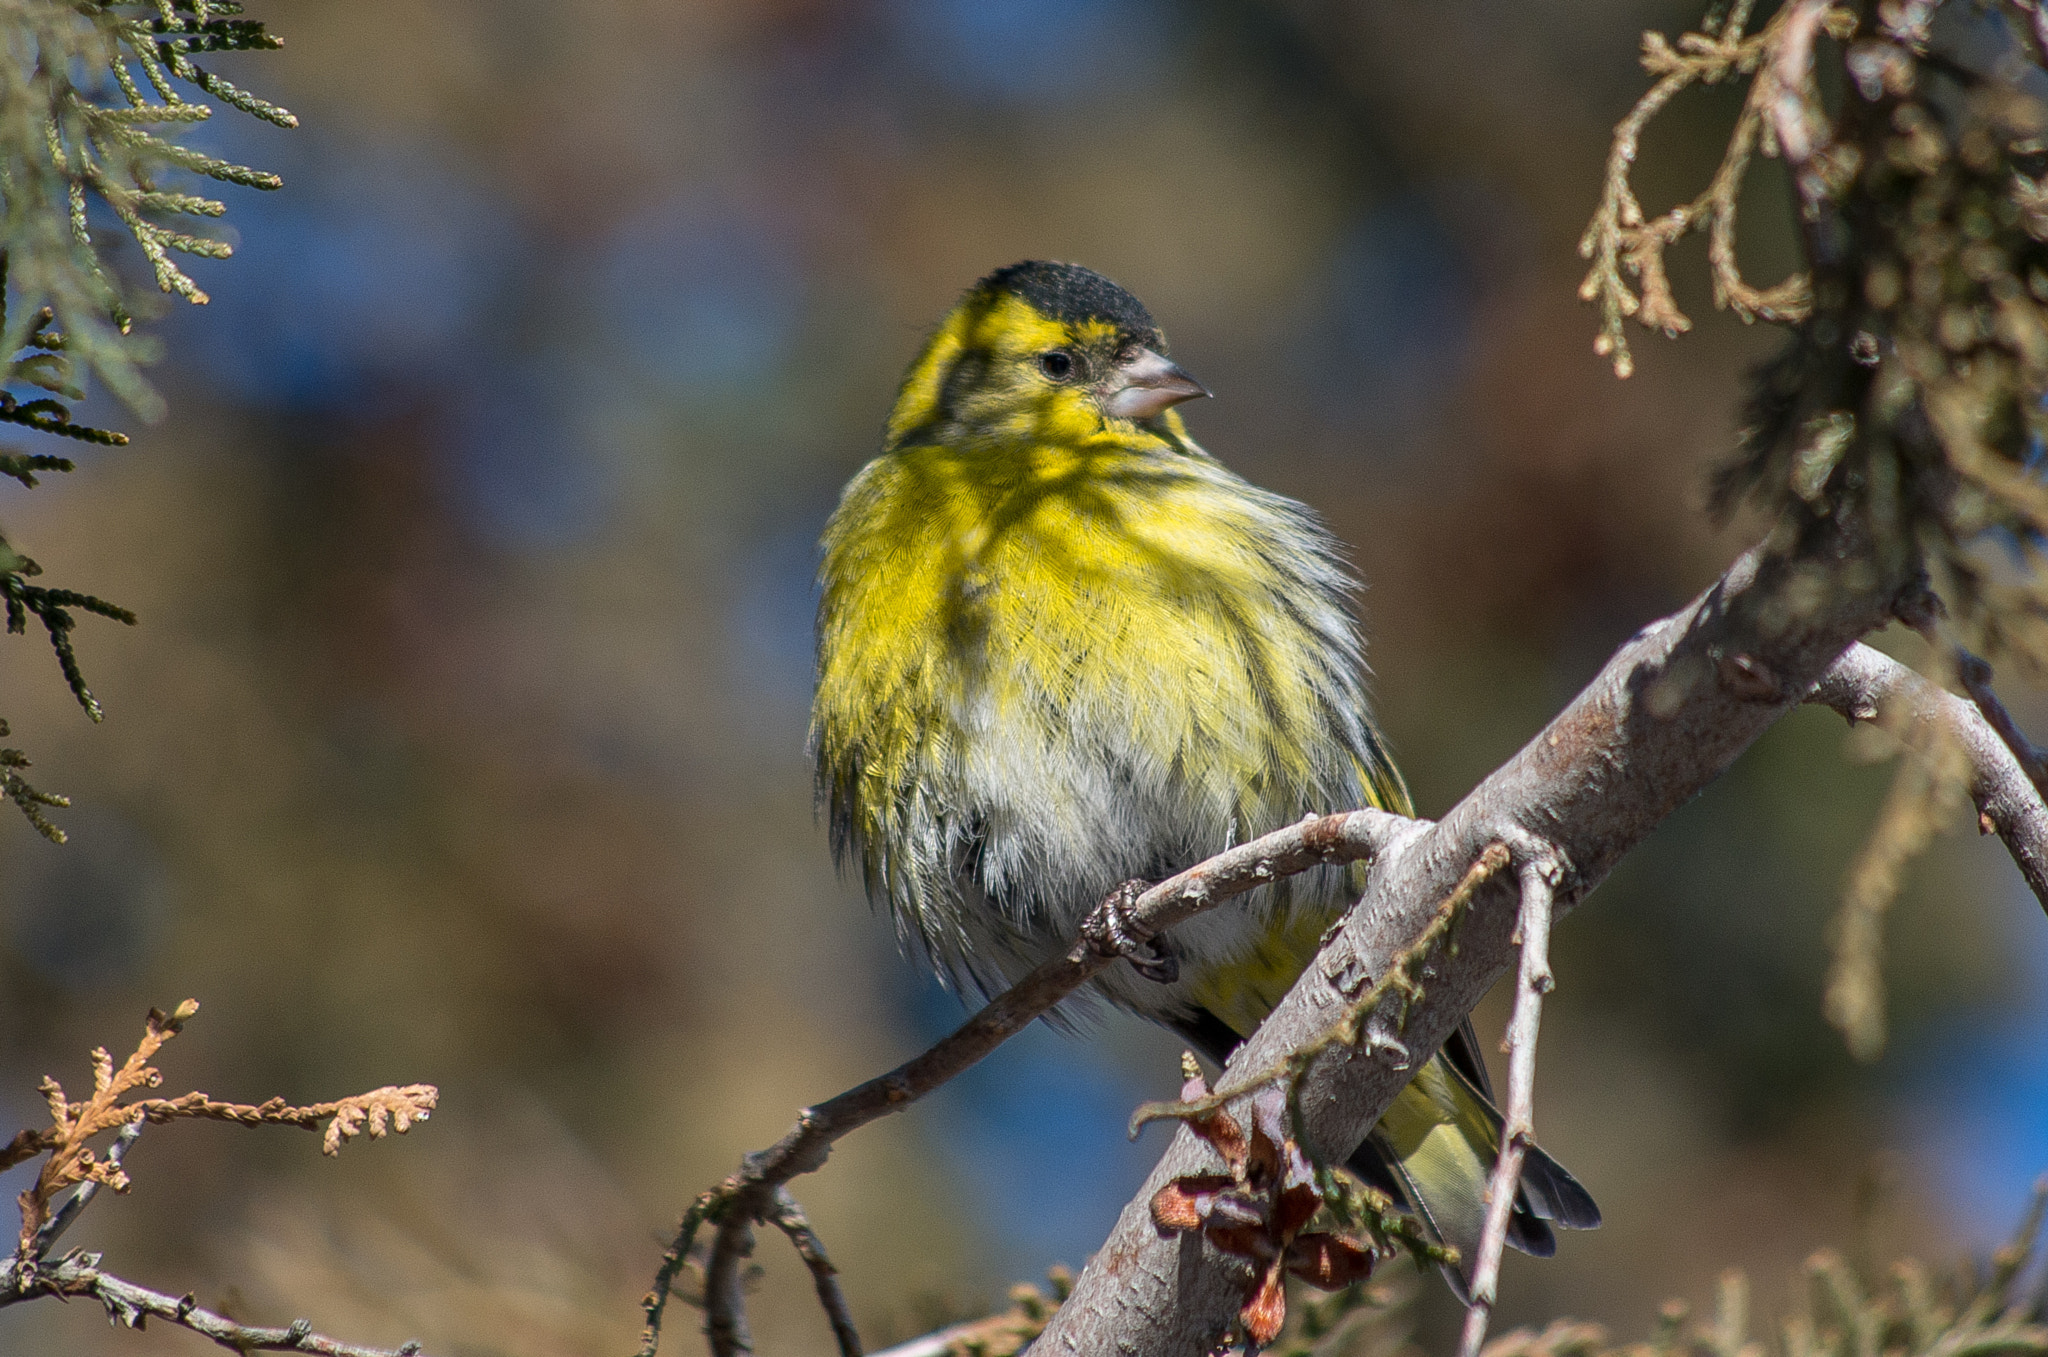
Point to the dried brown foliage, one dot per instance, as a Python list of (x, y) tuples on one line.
[(1260, 1208), (1911, 396), (73, 1126), (73, 1163), (1912, 393)]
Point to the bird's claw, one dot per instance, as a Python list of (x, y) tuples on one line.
[(1155, 963), (1111, 930)]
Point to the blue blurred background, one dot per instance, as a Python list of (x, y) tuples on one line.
[(462, 740)]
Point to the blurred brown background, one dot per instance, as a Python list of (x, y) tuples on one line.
[(462, 740)]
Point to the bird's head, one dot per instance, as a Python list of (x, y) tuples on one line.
[(1045, 351)]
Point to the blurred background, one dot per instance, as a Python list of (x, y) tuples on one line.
[(462, 738)]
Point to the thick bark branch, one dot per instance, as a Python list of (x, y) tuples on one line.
[(1630, 749), (1666, 716)]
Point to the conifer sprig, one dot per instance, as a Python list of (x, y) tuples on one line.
[(90, 113)]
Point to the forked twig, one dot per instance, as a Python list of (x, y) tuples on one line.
[(754, 1193), (1621, 239), (1860, 684), (29, 1274)]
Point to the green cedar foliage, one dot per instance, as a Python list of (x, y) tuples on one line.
[(90, 111)]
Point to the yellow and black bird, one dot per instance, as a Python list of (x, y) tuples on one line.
[(1060, 648)]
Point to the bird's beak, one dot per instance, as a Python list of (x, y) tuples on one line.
[(1145, 384)]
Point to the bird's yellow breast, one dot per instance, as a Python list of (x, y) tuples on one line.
[(1054, 592), (1046, 667)]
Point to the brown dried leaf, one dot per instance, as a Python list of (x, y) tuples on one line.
[(1242, 1241), (1330, 1262), (27, 1144), (1266, 1311), (1183, 1204), (1297, 1207), (1221, 1130)]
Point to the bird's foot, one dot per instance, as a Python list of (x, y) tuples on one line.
[(1111, 930)]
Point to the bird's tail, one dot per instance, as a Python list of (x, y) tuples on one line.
[(1435, 1150)]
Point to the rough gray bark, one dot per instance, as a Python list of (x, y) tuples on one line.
[(1666, 716)]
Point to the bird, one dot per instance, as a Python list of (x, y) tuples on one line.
[(1063, 651)]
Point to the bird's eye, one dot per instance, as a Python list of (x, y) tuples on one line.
[(1057, 364)]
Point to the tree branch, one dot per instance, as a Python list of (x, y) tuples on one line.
[(79, 1274), (82, 1195), (1868, 685), (1682, 700), (1539, 877), (753, 1193), (1665, 717), (1976, 677), (790, 1219), (28, 1275)]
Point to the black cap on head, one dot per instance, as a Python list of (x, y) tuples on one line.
[(1073, 294)]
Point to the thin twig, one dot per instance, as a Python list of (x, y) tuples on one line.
[(790, 1219), (748, 1195), (1976, 678), (1799, 122), (1668, 713), (1868, 685), (1539, 874), (1361, 1025), (28, 1275), (1801, 138), (725, 1301), (79, 1274), (86, 1191)]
